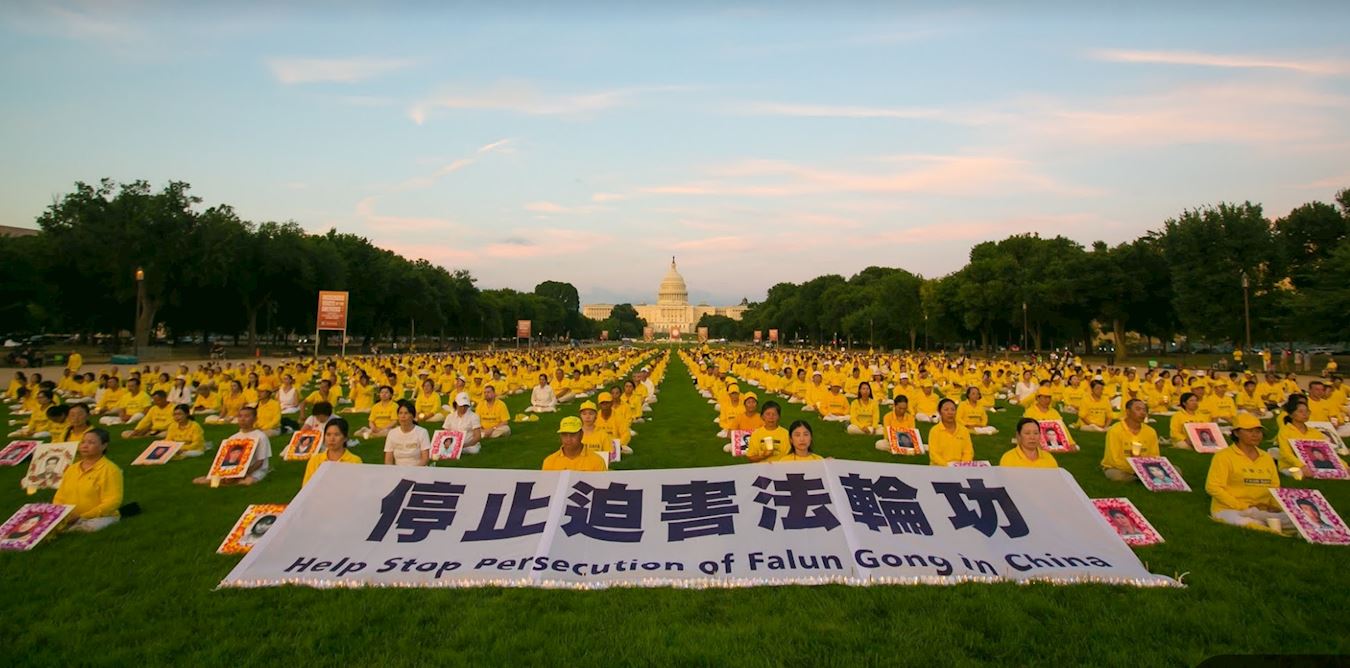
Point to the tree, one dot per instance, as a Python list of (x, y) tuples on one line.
[(623, 322), (1207, 251)]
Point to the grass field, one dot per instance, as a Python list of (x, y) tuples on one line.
[(142, 591)]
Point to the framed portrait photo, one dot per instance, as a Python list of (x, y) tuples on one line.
[(304, 443), (1320, 459), (446, 444), (233, 458), (1329, 430), (49, 462), (740, 442), (1205, 437), (1158, 474), (252, 525), (30, 524), (16, 452), (1128, 522), (1314, 518), (1055, 437), (157, 453), (905, 441)]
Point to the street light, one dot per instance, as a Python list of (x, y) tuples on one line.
[(1246, 308), (925, 330), (1024, 326), (140, 310)]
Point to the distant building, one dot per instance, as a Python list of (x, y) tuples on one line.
[(8, 231), (672, 308)]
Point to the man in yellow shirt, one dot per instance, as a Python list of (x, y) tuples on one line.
[(269, 412), (572, 455), (816, 392), (157, 418), (1094, 410), (1131, 437), (131, 408), (1240, 479), (496, 419)]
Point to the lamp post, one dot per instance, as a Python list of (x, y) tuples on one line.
[(140, 311), (1246, 308), (1024, 326), (925, 331)]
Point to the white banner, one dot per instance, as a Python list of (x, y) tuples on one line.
[(806, 523)]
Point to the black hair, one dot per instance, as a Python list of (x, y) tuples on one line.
[(900, 398), (1024, 422), (771, 404), (945, 400), (1291, 404), (322, 408), (340, 423), (802, 423), (1185, 396), (404, 403), (103, 436)]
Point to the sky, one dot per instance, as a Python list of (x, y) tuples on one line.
[(756, 142)]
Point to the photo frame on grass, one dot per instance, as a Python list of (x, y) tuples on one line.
[(250, 527), (446, 444), (48, 463), (905, 441), (30, 524), (233, 458), (157, 453), (1314, 518), (1128, 522), (1320, 458), (1158, 474), (1329, 430), (16, 452), (1205, 437)]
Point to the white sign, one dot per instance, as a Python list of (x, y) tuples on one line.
[(807, 523)]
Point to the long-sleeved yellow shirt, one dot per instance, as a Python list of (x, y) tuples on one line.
[(1120, 446), (757, 451), (1237, 482), (1287, 435), (157, 418), (94, 493), (190, 435)]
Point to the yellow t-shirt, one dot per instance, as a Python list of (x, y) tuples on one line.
[(1016, 458), (757, 451), (1095, 412), (190, 435), (319, 459), (269, 415), (864, 415), (892, 422), (1238, 483), (428, 404), (157, 418), (1120, 446), (970, 416), (383, 414), (588, 460), (794, 457), (1177, 427), (833, 404), (945, 447), (493, 414)]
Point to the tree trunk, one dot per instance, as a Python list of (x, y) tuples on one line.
[(252, 326), (145, 320), (913, 337), (1118, 330)]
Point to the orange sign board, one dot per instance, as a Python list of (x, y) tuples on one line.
[(773, 336), (523, 329), (332, 310)]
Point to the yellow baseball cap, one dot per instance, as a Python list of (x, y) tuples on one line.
[(569, 425), (1044, 392), (748, 396), (1246, 421), (603, 397), (588, 406)]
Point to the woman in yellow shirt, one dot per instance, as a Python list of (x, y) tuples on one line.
[(1294, 427), (1190, 412), (207, 401), (1240, 479), (383, 415), (429, 404), (39, 424), (749, 418), (799, 438), (229, 405), (93, 484), (972, 415), (948, 440), (185, 430), (1028, 452), (864, 413), (595, 437), (77, 423), (335, 443), (899, 418)]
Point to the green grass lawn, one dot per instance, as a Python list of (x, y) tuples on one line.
[(142, 591)]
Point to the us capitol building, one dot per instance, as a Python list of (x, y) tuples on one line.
[(672, 308)]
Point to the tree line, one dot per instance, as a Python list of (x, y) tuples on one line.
[(206, 271), (1203, 275)]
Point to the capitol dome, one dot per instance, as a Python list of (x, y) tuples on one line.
[(672, 290)]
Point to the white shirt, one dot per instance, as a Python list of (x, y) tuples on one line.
[(542, 397), (407, 446), (289, 399), (1025, 389), (262, 453), (181, 395), (312, 422), (465, 424)]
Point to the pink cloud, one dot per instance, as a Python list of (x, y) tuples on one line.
[(1302, 66)]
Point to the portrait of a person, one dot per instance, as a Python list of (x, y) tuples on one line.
[(1158, 475), (50, 471), (304, 445), (158, 453), (1312, 515), (1123, 523), (25, 528), (256, 531), (1207, 439), (1320, 459)]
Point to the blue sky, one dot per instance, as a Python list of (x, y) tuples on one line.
[(759, 143)]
